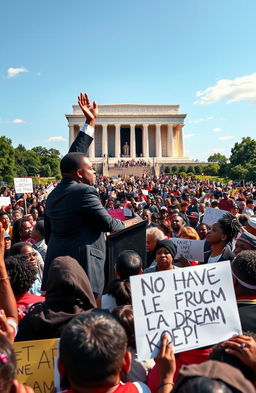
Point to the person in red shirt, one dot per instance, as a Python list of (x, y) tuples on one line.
[(22, 276), (226, 203)]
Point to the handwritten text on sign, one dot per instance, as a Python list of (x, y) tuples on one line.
[(211, 215), (189, 249), (23, 185), (35, 363), (196, 306)]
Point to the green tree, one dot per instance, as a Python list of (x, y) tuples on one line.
[(191, 169), (32, 163), (174, 169), (198, 169), (243, 153), (218, 158), (212, 169), (239, 172), (7, 160)]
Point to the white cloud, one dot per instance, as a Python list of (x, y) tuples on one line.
[(225, 138), (217, 129), (232, 90), (17, 121), (56, 139), (189, 135), (200, 120), (12, 72)]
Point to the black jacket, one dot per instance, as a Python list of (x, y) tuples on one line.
[(75, 224), (227, 255)]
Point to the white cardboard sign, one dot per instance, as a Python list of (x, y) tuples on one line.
[(23, 185), (195, 305), (211, 215), (189, 249), (5, 201)]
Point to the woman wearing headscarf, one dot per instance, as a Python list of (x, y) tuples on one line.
[(69, 294)]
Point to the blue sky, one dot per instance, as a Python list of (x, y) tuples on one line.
[(199, 54)]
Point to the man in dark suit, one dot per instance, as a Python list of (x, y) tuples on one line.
[(75, 218)]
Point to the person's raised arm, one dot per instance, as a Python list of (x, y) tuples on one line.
[(7, 299), (85, 136)]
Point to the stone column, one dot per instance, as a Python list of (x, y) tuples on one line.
[(71, 134), (181, 146), (158, 141), (104, 150), (92, 149), (145, 148), (170, 140), (132, 141), (117, 141)]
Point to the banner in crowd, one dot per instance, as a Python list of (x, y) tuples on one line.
[(5, 201), (117, 213), (192, 250), (196, 306), (36, 361), (211, 215), (23, 185)]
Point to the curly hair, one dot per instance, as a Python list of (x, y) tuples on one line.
[(230, 226), (21, 272)]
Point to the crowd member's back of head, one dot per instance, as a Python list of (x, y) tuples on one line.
[(188, 233), (128, 264), (21, 272), (219, 353), (7, 366), (93, 351)]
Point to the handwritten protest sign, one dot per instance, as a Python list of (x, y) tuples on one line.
[(49, 189), (23, 185), (211, 215), (196, 306), (5, 201), (117, 213), (189, 249), (35, 363)]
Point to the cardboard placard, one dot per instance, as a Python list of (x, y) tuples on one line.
[(189, 249), (196, 306), (36, 363), (23, 185), (117, 213), (211, 215), (5, 201)]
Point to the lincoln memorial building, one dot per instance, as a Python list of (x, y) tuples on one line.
[(129, 131)]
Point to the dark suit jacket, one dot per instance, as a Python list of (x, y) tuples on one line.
[(74, 225)]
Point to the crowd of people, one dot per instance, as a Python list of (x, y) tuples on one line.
[(51, 283), (129, 163)]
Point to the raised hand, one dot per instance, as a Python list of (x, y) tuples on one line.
[(89, 111)]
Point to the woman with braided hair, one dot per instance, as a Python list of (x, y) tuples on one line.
[(220, 237)]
